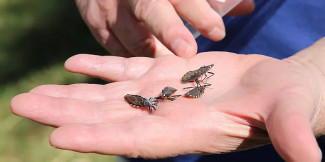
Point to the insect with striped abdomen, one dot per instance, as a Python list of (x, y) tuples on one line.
[(139, 101), (196, 74), (196, 92)]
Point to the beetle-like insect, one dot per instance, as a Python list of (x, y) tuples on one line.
[(196, 74), (167, 94), (139, 101), (197, 92)]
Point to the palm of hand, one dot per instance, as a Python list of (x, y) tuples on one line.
[(249, 95)]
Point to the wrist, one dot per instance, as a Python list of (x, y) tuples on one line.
[(311, 62), (313, 56)]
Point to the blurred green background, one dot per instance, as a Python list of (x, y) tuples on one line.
[(36, 37)]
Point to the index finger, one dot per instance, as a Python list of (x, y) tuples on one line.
[(162, 20), (202, 17), (111, 68)]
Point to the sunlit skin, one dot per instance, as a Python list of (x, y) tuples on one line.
[(253, 100)]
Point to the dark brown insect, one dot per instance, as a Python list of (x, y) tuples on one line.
[(196, 92), (139, 101), (196, 74), (167, 94), (168, 91)]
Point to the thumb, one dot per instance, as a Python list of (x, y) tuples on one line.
[(290, 130)]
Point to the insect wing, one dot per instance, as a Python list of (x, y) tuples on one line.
[(195, 92), (189, 76), (135, 100)]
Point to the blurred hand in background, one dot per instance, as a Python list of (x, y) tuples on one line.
[(143, 27)]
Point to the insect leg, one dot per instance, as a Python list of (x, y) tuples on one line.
[(159, 97), (207, 84), (210, 75), (206, 77), (172, 98), (188, 87)]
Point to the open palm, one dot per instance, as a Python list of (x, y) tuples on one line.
[(252, 100)]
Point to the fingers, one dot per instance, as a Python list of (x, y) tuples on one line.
[(52, 111), (94, 15), (88, 92), (202, 17), (148, 137), (127, 32), (110, 68), (134, 36), (290, 131), (57, 111), (162, 20)]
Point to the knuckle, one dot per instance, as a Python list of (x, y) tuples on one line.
[(143, 8), (103, 36)]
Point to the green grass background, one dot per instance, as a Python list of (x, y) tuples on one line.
[(36, 37)]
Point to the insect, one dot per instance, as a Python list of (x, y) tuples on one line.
[(195, 74), (167, 94), (196, 92), (139, 101)]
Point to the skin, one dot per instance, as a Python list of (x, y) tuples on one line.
[(147, 27), (253, 100)]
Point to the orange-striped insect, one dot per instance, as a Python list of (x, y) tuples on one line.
[(196, 74), (139, 101), (196, 92)]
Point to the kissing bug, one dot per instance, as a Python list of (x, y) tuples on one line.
[(196, 92), (139, 101), (167, 94), (195, 74)]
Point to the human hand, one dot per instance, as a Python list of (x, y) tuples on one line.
[(252, 98), (143, 27)]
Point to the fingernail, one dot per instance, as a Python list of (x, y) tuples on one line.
[(217, 34), (180, 46)]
